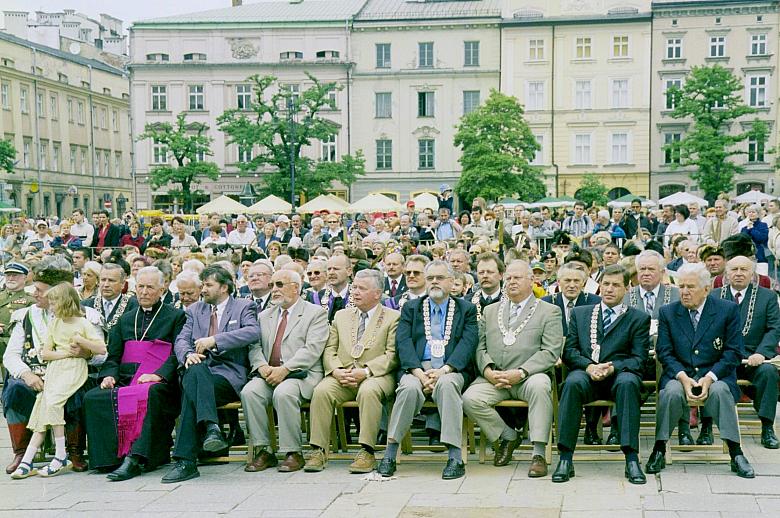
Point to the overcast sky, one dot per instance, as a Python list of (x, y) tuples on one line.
[(126, 10)]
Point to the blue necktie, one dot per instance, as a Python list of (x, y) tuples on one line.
[(436, 334), (608, 313), (694, 318)]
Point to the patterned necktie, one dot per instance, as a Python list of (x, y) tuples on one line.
[(393, 288), (276, 350), (649, 302), (516, 308), (108, 305), (213, 322), (738, 297), (694, 318), (436, 334), (362, 325), (608, 314), (569, 307)]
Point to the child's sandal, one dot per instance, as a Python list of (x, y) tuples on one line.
[(24, 470), (47, 471)]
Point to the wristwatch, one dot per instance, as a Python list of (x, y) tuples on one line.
[(367, 371)]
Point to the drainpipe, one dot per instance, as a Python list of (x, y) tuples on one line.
[(37, 139), (92, 140), (552, 116)]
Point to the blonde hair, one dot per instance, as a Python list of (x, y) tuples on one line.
[(64, 301)]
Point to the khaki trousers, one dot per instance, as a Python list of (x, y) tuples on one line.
[(286, 398)]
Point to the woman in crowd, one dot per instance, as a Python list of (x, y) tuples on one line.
[(134, 238), (759, 233), (65, 238), (313, 238), (681, 225), (91, 275)]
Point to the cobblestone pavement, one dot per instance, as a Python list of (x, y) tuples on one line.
[(682, 490)]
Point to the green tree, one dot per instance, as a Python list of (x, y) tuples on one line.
[(7, 156), (592, 191), (498, 147), (712, 98), (188, 145), (274, 136)]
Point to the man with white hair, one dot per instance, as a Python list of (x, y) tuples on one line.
[(283, 231), (695, 216), (380, 232), (286, 366), (721, 226), (258, 278), (242, 234), (189, 284), (316, 275), (699, 347)]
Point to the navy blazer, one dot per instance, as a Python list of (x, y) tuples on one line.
[(584, 299), (625, 344), (764, 332), (715, 346), (459, 351)]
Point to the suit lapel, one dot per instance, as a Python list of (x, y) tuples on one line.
[(709, 314), (226, 314), (614, 322), (524, 312), (293, 319), (270, 322), (687, 327)]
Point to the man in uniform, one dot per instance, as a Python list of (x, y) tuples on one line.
[(12, 297)]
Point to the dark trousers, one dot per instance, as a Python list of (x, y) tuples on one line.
[(202, 393), (579, 389), (764, 390)]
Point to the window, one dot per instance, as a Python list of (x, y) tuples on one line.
[(115, 120), (328, 149), (382, 55), (384, 154), (195, 56), (539, 155), (535, 50), (582, 149), (96, 161), (289, 55), (159, 152), (197, 98), (43, 153), (157, 57), (55, 157), (534, 95), (40, 106), (328, 54), (757, 95), (669, 93), (674, 48), (620, 46), (620, 94), (103, 117), (717, 46), (84, 162), (118, 164), (62, 78), (425, 104), (619, 148), (23, 101), (70, 110), (671, 153), (54, 109), (471, 53), (470, 101), (244, 154), (94, 117), (244, 97), (107, 91), (332, 98), (755, 150), (758, 45), (294, 90), (80, 112), (26, 153), (426, 153), (583, 48), (72, 159), (425, 51), (384, 105), (200, 155), (159, 98), (582, 95), (106, 166), (5, 95)]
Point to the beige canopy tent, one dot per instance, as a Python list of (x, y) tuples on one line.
[(222, 205), (424, 201), (270, 205), (375, 203), (322, 202)]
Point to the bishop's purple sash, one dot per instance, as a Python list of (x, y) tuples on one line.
[(132, 400)]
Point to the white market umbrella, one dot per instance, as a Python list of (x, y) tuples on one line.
[(424, 201), (222, 205), (625, 201), (683, 198), (375, 203), (270, 205), (322, 202), (754, 197)]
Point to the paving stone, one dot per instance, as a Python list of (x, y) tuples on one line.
[(376, 505), (716, 503), (600, 514), (760, 485), (193, 497), (593, 502), (471, 512)]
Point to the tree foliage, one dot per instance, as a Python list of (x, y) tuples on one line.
[(592, 191), (267, 128), (184, 143), (498, 147), (712, 98), (7, 156)]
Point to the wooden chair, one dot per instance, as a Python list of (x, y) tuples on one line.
[(749, 422), (697, 452)]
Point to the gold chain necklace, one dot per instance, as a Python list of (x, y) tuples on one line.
[(120, 310), (751, 307), (511, 335), (438, 346), (359, 346)]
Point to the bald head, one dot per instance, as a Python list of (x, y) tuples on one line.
[(739, 271), (394, 264)]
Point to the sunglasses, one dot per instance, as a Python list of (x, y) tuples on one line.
[(315, 272), (281, 284)]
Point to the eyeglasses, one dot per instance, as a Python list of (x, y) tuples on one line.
[(280, 284), (412, 273), (315, 272)]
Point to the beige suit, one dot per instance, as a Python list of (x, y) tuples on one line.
[(715, 233), (536, 349), (302, 344), (380, 358)]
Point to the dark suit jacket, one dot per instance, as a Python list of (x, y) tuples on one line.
[(585, 299), (764, 329), (625, 343), (112, 237), (399, 290), (630, 225), (715, 346), (334, 304), (459, 351)]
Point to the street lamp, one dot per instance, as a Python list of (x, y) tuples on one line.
[(291, 120)]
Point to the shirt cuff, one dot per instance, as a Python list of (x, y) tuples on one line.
[(713, 376), (677, 376)]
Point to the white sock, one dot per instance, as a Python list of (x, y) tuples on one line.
[(29, 453), (539, 448), (59, 453)]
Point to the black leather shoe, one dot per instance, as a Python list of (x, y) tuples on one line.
[(634, 472), (591, 437), (685, 439), (769, 439), (386, 467), (503, 455), (563, 471), (130, 468), (454, 469), (656, 462), (214, 441), (181, 471), (742, 467), (612, 440), (705, 436), (236, 436)]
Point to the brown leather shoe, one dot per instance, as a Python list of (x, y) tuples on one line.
[(261, 460), (293, 462), (504, 451), (538, 467)]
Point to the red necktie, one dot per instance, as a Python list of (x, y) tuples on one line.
[(213, 322), (276, 350), (738, 297), (393, 288)]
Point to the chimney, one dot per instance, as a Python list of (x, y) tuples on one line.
[(237, 3)]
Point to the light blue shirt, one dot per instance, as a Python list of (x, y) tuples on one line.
[(436, 334)]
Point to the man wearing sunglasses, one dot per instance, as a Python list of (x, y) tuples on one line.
[(315, 275), (415, 282), (286, 366)]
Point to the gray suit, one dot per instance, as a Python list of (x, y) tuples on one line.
[(536, 349), (633, 299), (302, 344)]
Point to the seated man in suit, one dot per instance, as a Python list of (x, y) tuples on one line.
[(436, 339), (760, 317), (337, 294), (699, 347), (212, 348), (359, 362), (520, 339), (605, 351), (286, 365)]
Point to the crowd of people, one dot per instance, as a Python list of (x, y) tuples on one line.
[(112, 333)]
